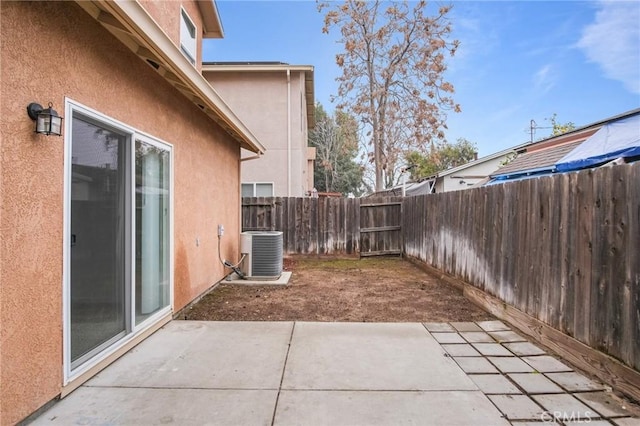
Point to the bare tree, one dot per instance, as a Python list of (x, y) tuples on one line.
[(392, 74)]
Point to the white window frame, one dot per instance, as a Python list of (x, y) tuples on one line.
[(133, 331), (254, 184), (188, 41)]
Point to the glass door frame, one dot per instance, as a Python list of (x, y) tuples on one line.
[(73, 108)]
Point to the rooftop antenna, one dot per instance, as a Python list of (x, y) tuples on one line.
[(532, 129)]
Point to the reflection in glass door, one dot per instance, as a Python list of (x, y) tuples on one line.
[(119, 257), (152, 229), (98, 295)]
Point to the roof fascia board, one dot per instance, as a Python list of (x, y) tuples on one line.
[(527, 172), (141, 25), (211, 19), (254, 67)]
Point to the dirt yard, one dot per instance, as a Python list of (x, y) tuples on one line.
[(352, 290)]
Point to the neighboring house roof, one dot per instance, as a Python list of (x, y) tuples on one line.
[(461, 168), (426, 185), (135, 28), (272, 67), (619, 139), (537, 160), (423, 186), (586, 146)]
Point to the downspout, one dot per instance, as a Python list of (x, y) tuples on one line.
[(288, 133)]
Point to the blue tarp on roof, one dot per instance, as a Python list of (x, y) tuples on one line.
[(617, 139)]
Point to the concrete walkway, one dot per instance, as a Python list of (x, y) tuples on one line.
[(285, 373)]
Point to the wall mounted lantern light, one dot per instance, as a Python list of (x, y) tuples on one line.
[(48, 122)]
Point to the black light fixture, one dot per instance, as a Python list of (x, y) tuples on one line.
[(48, 122)]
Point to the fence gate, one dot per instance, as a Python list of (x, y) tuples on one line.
[(259, 213), (380, 228)]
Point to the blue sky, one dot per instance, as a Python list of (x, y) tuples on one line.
[(518, 60)]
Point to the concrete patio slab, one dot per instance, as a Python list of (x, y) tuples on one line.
[(518, 407), (493, 325), (546, 364), (282, 280), (439, 326), (385, 408), (276, 373), (198, 354), (492, 384), (477, 337), (448, 338), (475, 365), (511, 365), (140, 406), (627, 421), (507, 336), (565, 407), (535, 383), (604, 403), (492, 349), (466, 326), (524, 348), (575, 382), (367, 356), (460, 350)]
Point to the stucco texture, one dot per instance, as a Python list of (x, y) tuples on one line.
[(167, 16), (260, 100), (82, 61)]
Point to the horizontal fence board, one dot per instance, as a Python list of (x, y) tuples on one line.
[(381, 228)]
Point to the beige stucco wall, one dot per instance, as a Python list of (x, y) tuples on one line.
[(84, 62), (260, 100)]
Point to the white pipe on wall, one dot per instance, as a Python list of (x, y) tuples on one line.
[(289, 133)]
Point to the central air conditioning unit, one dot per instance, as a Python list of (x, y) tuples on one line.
[(263, 254)]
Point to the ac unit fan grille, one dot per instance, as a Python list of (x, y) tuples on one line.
[(267, 255)]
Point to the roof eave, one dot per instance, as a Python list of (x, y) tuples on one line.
[(135, 28), (211, 19)]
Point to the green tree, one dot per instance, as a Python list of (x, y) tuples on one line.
[(560, 128), (392, 79), (445, 156), (336, 141)]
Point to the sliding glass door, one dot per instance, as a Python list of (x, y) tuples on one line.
[(152, 229), (98, 238), (119, 234)]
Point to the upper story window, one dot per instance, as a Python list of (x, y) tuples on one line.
[(188, 39), (257, 189)]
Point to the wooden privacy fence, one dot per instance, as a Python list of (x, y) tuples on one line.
[(564, 249), (328, 225), (380, 227)]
